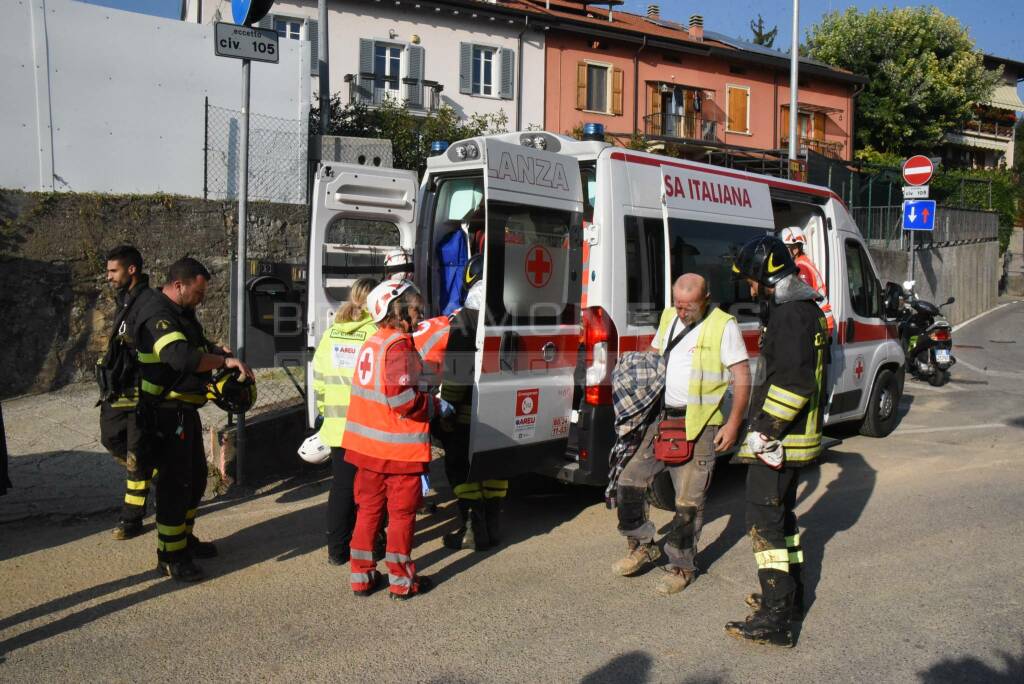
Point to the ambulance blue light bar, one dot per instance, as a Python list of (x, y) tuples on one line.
[(593, 131), (438, 146)]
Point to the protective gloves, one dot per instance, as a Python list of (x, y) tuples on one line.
[(446, 408), (768, 450)]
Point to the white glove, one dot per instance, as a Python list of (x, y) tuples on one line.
[(768, 450), (446, 408)]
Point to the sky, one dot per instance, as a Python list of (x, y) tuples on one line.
[(995, 25)]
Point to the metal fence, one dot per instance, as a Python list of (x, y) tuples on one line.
[(278, 167), (883, 226)]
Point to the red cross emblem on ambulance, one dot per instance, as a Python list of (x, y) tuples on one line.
[(858, 369), (538, 266)]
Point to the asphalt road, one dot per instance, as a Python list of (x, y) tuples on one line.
[(914, 546)]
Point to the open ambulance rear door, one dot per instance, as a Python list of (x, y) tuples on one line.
[(528, 334), (359, 214)]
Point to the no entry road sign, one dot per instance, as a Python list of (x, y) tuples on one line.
[(918, 170)]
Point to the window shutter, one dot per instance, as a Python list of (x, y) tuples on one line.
[(819, 126), (364, 79), (414, 86), (508, 72), (581, 85), (267, 22), (465, 68), (737, 115), (314, 46), (617, 91), (784, 124)]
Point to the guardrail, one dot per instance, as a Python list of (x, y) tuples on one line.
[(952, 226)]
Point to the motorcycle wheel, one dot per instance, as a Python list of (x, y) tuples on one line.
[(938, 378)]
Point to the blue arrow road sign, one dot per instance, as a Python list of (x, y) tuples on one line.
[(919, 215), (248, 12)]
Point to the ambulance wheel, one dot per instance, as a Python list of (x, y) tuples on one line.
[(882, 412), (662, 494)]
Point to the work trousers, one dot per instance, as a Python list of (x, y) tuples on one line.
[(400, 495), (121, 434), (456, 469), (772, 525), (341, 504), (691, 481), (179, 455)]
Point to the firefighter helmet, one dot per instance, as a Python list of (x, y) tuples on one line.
[(379, 300), (232, 392), (765, 260), (793, 235), (313, 450), (474, 270)]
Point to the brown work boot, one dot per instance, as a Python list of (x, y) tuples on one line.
[(639, 556), (674, 580)]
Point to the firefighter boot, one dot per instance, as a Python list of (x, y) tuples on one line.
[(769, 625), (127, 529), (639, 556), (797, 611), (182, 571), (472, 532), (201, 549), (492, 519)]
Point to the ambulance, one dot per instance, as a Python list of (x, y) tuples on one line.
[(581, 242)]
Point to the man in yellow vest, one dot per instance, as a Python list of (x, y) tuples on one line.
[(704, 349)]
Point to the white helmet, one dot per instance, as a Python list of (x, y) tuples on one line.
[(381, 296), (314, 451), (794, 235), (398, 264)]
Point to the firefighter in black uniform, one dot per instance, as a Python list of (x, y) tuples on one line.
[(479, 502), (118, 380), (176, 361), (784, 434)]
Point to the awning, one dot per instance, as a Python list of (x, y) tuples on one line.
[(804, 107), (1006, 97), (976, 142)]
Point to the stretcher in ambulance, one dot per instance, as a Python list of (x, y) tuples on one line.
[(581, 242)]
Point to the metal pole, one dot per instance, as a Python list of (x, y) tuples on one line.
[(871, 180), (206, 147), (910, 264), (243, 222), (322, 70), (794, 59)]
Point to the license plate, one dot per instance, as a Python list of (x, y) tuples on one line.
[(941, 356)]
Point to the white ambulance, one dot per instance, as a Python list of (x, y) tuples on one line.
[(582, 241)]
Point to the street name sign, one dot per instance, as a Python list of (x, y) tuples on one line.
[(245, 42), (919, 215), (915, 192), (918, 170)]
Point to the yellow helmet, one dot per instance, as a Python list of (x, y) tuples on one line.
[(232, 392)]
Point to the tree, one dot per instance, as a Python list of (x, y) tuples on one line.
[(762, 37), (1018, 147), (410, 135), (924, 73)]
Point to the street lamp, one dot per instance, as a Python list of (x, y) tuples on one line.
[(794, 58)]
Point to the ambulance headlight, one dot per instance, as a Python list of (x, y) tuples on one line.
[(460, 151), (527, 141), (472, 151), (540, 142)]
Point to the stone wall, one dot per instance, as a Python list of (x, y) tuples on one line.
[(1013, 262), (56, 305), (969, 272)]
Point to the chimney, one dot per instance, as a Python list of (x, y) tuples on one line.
[(653, 12), (697, 27)]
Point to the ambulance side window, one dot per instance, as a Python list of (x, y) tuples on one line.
[(645, 270), (709, 249), (588, 174), (530, 277), (865, 291)]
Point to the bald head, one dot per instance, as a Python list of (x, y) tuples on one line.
[(690, 297)]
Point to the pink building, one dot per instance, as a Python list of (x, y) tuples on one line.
[(683, 85)]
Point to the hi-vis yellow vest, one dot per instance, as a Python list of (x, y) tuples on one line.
[(709, 378), (333, 365)]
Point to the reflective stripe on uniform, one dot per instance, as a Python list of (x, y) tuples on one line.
[(402, 398), (388, 437), (399, 581), (468, 490), (495, 489), (793, 540), (168, 339), (391, 557), (171, 546), (146, 357), (170, 530), (359, 578), (796, 557), (361, 555), (151, 388), (772, 559), (137, 484), (133, 500)]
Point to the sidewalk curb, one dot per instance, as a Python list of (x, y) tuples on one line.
[(984, 313)]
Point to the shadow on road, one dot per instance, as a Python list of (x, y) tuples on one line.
[(634, 666), (971, 669)]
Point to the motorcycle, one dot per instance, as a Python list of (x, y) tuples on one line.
[(925, 335)]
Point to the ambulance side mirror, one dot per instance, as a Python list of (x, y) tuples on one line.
[(891, 299)]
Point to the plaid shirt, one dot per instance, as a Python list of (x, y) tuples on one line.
[(638, 383)]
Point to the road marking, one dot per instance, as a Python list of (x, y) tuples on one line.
[(983, 313), (951, 428), (993, 373)]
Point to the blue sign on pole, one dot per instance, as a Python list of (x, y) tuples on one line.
[(919, 215), (248, 12)]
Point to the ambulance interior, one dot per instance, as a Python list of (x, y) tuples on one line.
[(451, 230), (811, 219)]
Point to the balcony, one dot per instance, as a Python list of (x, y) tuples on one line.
[(419, 96), (833, 150), (989, 128), (681, 126)]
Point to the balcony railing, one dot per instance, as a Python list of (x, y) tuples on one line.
[(376, 91), (822, 147), (999, 130), (684, 126)]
